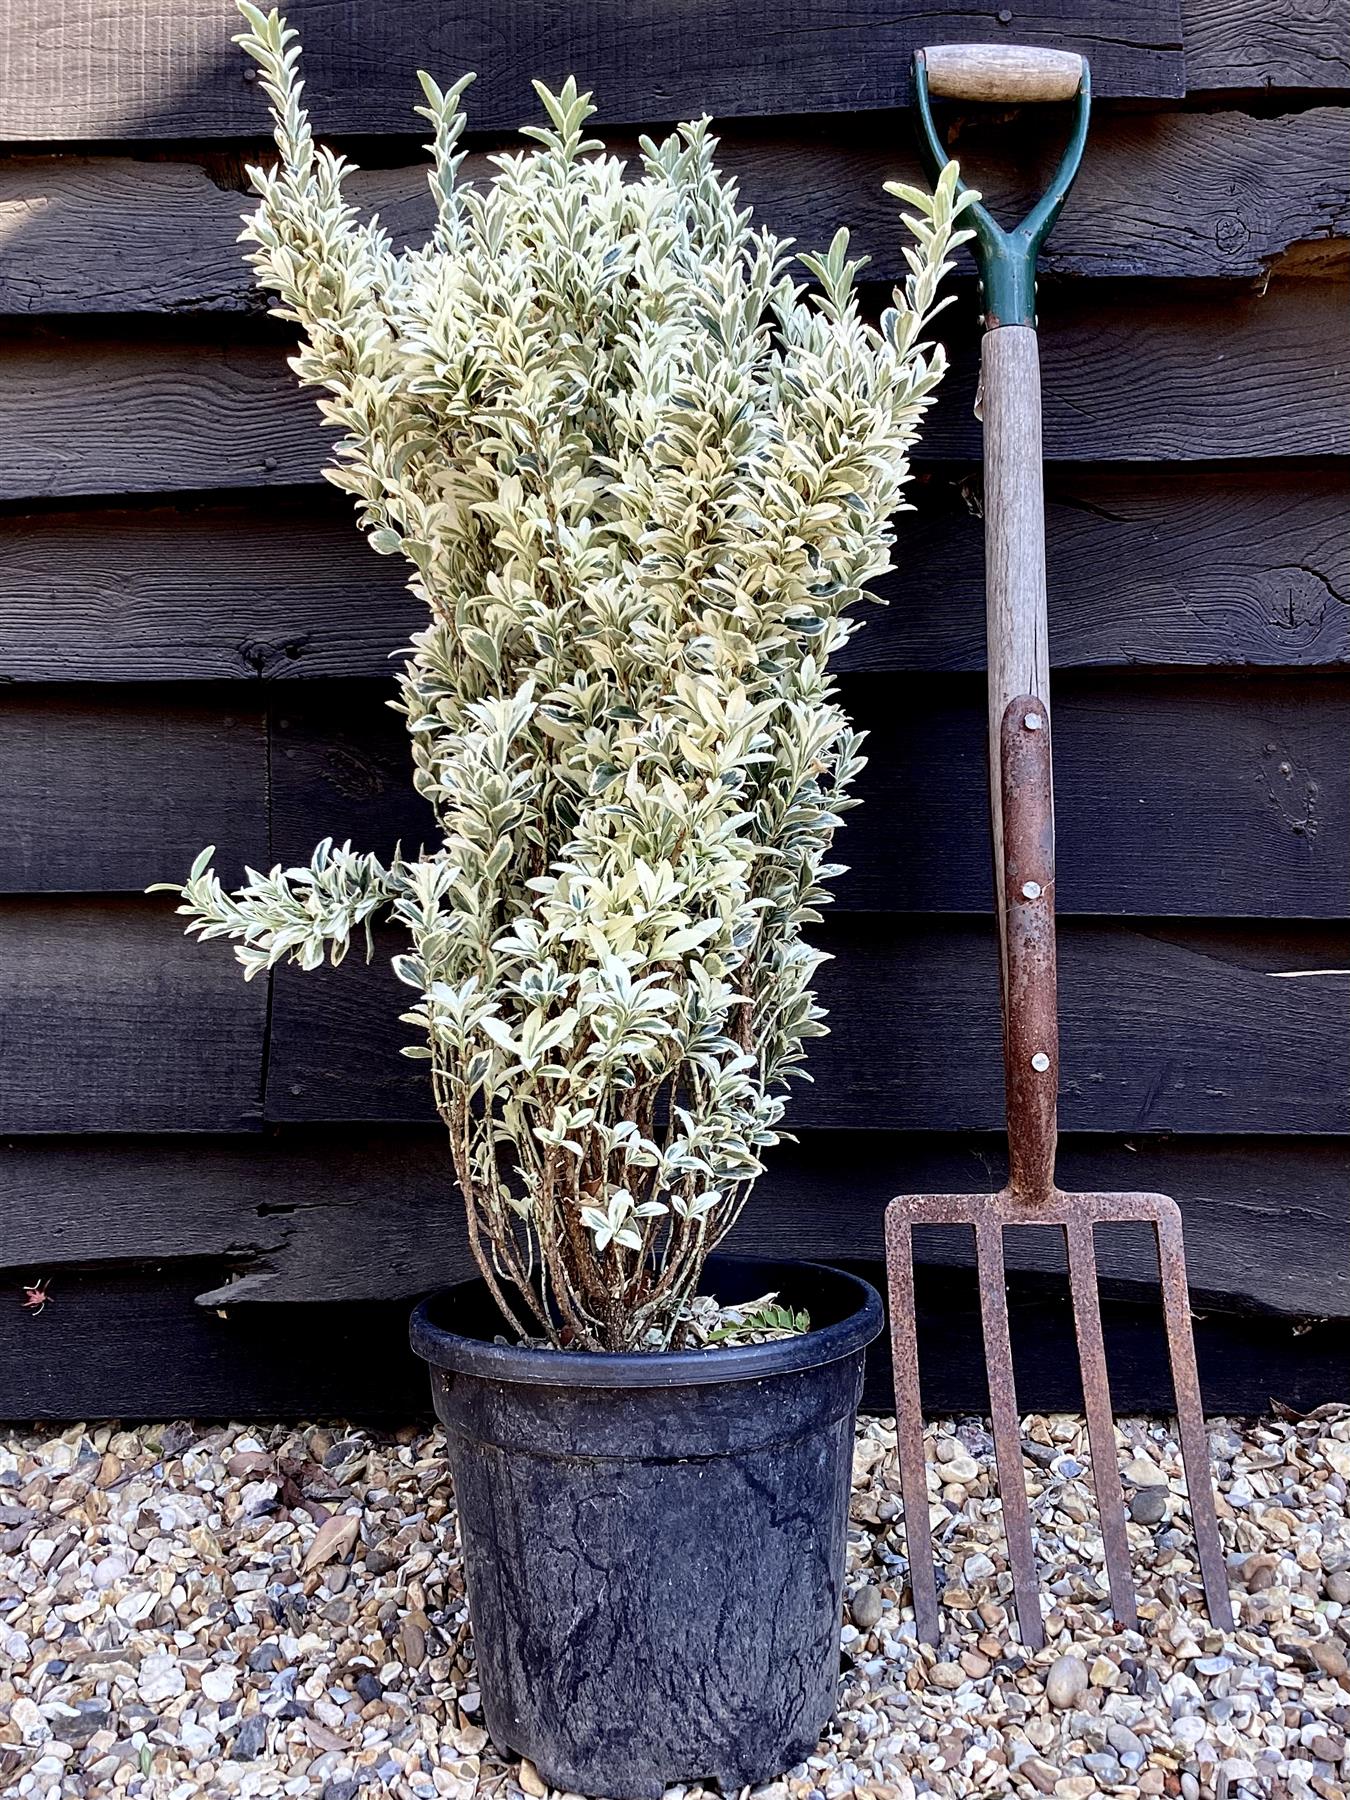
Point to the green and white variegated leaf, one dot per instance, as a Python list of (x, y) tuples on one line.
[(640, 475)]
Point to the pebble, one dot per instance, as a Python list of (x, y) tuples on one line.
[(1148, 1505), (161, 1678), (250, 1738), (1067, 1681), (1331, 1661), (866, 1607), (165, 1641)]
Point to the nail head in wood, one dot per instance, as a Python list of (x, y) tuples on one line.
[(1040, 1062)]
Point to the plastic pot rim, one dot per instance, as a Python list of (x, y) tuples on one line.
[(459, 1354)]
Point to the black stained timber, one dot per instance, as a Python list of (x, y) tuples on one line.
[(1167, 1026), (157, 69), (1185, 795), (1228, 567), (109, 234), (107, 792), (1266, 45), (133, 1344), (1266, 1218), (111, 1020), (1130, 375)]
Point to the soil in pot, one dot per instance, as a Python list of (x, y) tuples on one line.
[(654, 1544)]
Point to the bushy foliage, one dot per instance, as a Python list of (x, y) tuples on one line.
[(640, 477)]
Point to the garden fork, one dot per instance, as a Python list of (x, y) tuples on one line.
[(1022, 806)]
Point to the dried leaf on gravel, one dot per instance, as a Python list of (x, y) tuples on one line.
[(334, 1538)]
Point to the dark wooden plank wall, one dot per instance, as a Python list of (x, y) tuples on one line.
[(232, 1191)]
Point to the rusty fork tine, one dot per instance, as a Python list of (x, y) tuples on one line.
[(1012, 1486), (909, 1429), (1191, 1416), (1087, 1325)]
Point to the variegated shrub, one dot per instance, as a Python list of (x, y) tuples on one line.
[(640, 477)]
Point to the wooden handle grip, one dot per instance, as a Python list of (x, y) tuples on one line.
[(1007, 72)]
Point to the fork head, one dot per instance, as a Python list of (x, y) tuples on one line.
[(1077, 1215)]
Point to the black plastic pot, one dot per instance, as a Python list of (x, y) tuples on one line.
[(654, 1544)]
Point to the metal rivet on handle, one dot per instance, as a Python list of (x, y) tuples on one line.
[(1040, 1062), (1033, 721), (1031, 890)]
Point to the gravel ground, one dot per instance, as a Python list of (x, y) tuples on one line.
[(269, 1610)]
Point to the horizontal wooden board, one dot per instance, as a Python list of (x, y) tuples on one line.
[(110, 1020), (1145, 378), (167, 68), (1175, 795), (1273, 44), (1166, 1027), (107, 793), (1134, 378), (1243, 566), (116, 235), (1266, 1219), (131, 1344)]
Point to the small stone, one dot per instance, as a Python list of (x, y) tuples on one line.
[(1075, 1787), (1103, 1673), (961, 1470), (1327, 1749), (1042, 1775), (379, 1561), (1324, 1654), (532, 1781), (1067, 1680), (25, 1715), (160, 1679), (345, 1789), (1258, 1572), (1148, 1505), (866, 1607), (91, 1716), (218, 1684), (250, 1739), (1104, 1767), (975, 1665), (264, 1659), (1152, 1781), (413, 1643), (368, 1687), (947, 1675), (1124, 1742), (1144, 1473), (977, 1568), (1336, 1586)]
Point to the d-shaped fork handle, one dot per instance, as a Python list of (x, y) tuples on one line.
[(1007, 73)]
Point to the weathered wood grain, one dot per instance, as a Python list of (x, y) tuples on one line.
[(1266, 44), (130, 1343), (116, 235), (1143, 378), (1231, 567), (107, 69), (1188, 796), (1133, 378), (1166, 1027), (109, 793), (110, 1020), (282, 1211)]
